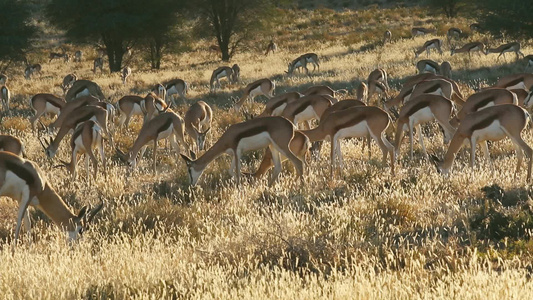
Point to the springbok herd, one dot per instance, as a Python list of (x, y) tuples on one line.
[(490, 114)]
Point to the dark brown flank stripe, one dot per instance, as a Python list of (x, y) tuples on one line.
[(75, 135), (253, 86), (473, 46), (417, 107), (485, 122), (20, 171), (432, 89), (170, 85), (164, 126), (278, 104), (86, 117), (303, 105), (54, 103), (250, 132), (515, 82), (407, 92), (358, 118), (482, 103)]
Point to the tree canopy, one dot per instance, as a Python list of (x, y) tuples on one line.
[(16, 33), (512, 17)]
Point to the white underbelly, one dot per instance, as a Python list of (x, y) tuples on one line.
[(49, 108), (136, 110), (306, 115), (476, 48), (15, 187), (222, 74), (165, 133), (423, 115), (430, 69), (277, 112), (519, 85), (492, 132), (358, 130), (258, 141), (486, 105), (78, 145), (173, 90), (256, 92), (84, 92)]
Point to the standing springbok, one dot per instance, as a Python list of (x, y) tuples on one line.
[(218, 74), (45, 103), (263, 86), (469, 48), (483, 99), (78, 55), (452, 33), (6, 97), (509, 47), (23, 181), (86, 138), (32, 69), (490, 124), (302, 61), (276, 105), (98, 63), (126, 72), (427, 65), (419, 110), (387, 37), (175, 87), (516, 81), (198, 123), (68, 81), (271, 47), (428, 45), (166, 125)]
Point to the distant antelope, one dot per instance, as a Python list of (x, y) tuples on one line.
[(167, 125), (305, 109), (453, 32), (45, 103), (85, 138), (6, 96), (126, 72), (319, 90), (218, 74), (302, 61), (428, 65), (509, 47), (3, 79), (362, 92), (214, 48), (78, 55), (98, 63), (32, 69), (23, 180), (428, 45), (415, 31), (68, 81), (276, 105), (490, 124), (55, 55), (271, 47), (263, 86), (198, 123), (387, 37), (475, 27), (84, 87), (175, 87), (236, 73), (469, 48), (377, 76)]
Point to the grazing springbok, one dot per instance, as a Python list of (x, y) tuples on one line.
[(198, 123), (45, 103), (3, 79), (68, 81), (84, 88), (302, 61), (6, 97), (175, 87), (509, 47), (166, 125), (218, 74), (452, 33), (361, 93), (273, 132), (55, 55), (469, 48), (387, 37), (416, 31), (78, 55), (263, 86), (271, 47), (276, 105), (427, 65), (22, 180), (306, 108), (490, 124), (483, 99), (126, 72), (86, 138), (428, 45), (98, 63), (516, 81), (68, 107), (32, 69)]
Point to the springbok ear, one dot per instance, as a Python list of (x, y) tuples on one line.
[(192, 154), (185, 158), (82, 212)]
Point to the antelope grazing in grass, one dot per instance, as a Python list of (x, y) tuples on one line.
[(86, 138), (441, 87), (3, 79), (175, 87), (198, 123), (428, 45), (11, 144), (68, 81), (6, 97), (126, 72), (32, 69), (84, 88), (236, 73), (416, 31), (427, 65), (469, 48), (387, 37), (78, 55), (98, 63), (271, 48), (276, 105), (483, 99), (275, 133), (361, 93), (22, 180), (215, 49), (74, 118), (420, 110), (68, 107), (516, 81), (306, 108), (55, 55), (129, 106), (374, 78), (452, 33), (319, 90), (218, 74), (302, 61), (263, 86), (45, 104), (167, 125), (490, 124), (529, 61), (358, 121), (509, 47)]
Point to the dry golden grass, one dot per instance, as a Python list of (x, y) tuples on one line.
[(364, 235)]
